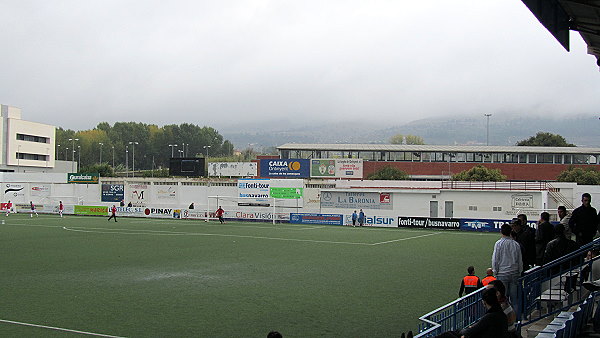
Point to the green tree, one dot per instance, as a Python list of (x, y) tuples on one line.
[(397, 139), (104, 169), (480, 173), (389, 173), (588, 176), (413, 139), (544, 139), (406, 139)]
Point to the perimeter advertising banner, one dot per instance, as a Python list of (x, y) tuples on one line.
[(304, 218), (14, 191), (83, 178), (40, 190), (356, 200), (137, 194), (340, 168), (91, 210), (113, 192), (427, 222), (293, 168)]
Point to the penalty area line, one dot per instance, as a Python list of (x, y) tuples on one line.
[(406, 239), (59, 329)]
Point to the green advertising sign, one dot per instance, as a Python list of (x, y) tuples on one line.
[(322, 168), (287, 193), (92, 178), (91, 210)]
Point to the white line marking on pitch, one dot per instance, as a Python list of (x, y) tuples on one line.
[(407, 238), (60, 329), (157, 232)]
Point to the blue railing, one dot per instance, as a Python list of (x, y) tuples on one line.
[(557, 283), (556, 286), (455, 315)]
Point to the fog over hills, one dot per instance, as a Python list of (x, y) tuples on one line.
[(582, 130)]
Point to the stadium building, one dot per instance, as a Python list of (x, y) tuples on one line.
[(438, 162)]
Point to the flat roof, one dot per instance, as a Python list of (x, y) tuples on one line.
[(439, 148)]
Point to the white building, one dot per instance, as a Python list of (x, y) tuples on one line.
[(26, 146)]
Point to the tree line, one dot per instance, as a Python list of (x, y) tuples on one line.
[(116, 145)]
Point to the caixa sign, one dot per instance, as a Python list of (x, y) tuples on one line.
[(426, 222)]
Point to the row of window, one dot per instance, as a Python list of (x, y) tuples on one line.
[(32, 138), (34, 157), (446, 157)]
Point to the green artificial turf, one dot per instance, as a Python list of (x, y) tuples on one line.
[(182, 278)]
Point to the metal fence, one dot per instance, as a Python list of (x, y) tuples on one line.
[(543, 291)]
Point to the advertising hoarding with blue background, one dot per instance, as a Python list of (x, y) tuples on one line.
[(113, 192), (332, 219), (292, 168)]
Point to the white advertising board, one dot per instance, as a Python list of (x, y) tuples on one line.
[(232, 169)]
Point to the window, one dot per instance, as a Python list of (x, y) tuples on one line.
[(33, 157), (472, 208), (32, 138), (496, 208)]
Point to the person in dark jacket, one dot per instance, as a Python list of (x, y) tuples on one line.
[(559, 246), (584, 221), (470, 282), (493, 324), (543, 235), (525, 236)]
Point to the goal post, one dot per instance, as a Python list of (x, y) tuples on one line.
[(276, 210)]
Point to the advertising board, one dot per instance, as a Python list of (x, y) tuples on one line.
[(356, 200), (254, 188), (306, 218), (427, 222), (298, 168), (286, 193), (340, 168), (40, 190), (83, 178), (113, 192), (14, 191), (233, 169), (138, 194), (91, 210)]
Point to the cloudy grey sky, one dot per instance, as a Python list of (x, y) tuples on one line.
[(77, 63)]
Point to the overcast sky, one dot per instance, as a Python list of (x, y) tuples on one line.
[(77, 63)]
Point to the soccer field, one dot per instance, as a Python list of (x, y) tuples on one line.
[(183, 278)]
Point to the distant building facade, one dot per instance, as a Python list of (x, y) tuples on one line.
[(26, 146), (435, 162)]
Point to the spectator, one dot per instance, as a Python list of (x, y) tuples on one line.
[(584, 221), (559, 246), (543, 235), (122, 203), (361, 218), (129, 205), (507, 262), (511, 316), (491, 325), (489, 277), (525, 236), (274, 334), (191, 206), (563, 218), (469, 282)]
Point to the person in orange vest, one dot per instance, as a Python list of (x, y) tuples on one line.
[(490, 277), (469, 282)]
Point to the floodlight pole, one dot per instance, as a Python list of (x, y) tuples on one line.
[(487, 142), (133, 143)]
